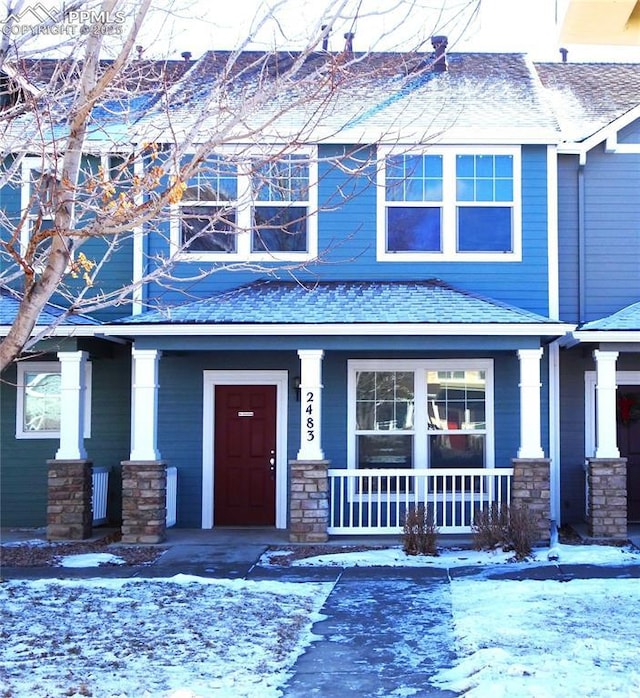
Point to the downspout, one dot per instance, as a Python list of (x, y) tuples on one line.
[(581, 243)]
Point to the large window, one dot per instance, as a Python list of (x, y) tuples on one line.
[(247, 207), (421, 414), (39, 398), (449, 204)]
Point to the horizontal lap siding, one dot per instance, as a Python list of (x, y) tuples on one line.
[(347, 240), (630, 134), (568, 242), (24, 461), (612, 230)]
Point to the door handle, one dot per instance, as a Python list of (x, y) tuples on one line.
[(272, 463)]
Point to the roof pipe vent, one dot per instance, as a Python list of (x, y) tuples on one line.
[(348, 42), (563, 53), (439, 56), (325, 37), (186, 55)]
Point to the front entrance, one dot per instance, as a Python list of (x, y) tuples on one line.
[(245, 455), (628, 433)]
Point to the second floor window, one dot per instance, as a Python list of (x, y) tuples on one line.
[(446, 204), (240, 208)]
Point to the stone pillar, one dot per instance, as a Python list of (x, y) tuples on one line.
[(530, 431), (530, 489), (69, 514), (606, 428), (607, 498), (309, 502), (144, 501)]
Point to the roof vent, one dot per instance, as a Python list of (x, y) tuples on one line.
[(439, 44), (563, 53), (186, 55), (325, 36), (348, 42)]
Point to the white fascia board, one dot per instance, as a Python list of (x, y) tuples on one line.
[(339, 329), (608, 132), (621, 336)]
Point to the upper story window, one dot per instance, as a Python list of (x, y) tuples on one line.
[(449, 204), (249, 208), (39, 397), (38, 182)]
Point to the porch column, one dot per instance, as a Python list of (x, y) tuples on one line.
[(606, 441), (144, 475), (72, 400), (530, 432), (310, 404), (69, 480), (144, 405)]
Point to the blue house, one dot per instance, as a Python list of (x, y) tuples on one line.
[(598, 109), (372, 305)]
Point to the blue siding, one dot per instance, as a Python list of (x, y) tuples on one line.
[(181, 409), (568, 243), (347, 241), (630, 133), (612, 230)]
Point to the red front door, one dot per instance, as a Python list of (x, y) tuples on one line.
[(629, 445), (245, 455)]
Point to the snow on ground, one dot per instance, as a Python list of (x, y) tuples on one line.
[(142, 638), (188, 637)]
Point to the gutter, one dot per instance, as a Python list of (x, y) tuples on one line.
[(581, 244)]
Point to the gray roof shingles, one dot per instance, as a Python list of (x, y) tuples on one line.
[(290, 302), (50, 315), (626, 319)]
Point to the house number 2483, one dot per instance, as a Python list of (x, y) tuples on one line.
[(310, 421)]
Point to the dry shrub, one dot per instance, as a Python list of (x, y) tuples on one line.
[(509, 528), (420, 533)]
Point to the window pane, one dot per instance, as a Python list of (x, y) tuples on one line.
[(464, 166), (413, 229), (414, 178), (279, 229), (456, 400), (204, 229), (388, 451), (456, 450), (484, 229), (286, 179), (384, 400), (42, 402), (217, 181), (504, 166)]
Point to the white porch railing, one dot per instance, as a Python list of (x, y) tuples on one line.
[(376, 500)]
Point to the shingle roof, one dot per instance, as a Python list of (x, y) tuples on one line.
[(358, 98), (51, 314), (342, 302), (587, 97), (626, 319)]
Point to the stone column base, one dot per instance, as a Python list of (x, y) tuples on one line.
[(144, 501), (531, 490), (309, 501), (607, 498), (69, 487)]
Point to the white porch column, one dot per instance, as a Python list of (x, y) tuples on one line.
[(606, 441), (530, 432), (72, 400), (144, 405), (310, 404)]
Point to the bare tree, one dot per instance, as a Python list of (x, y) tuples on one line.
[(107, 149)]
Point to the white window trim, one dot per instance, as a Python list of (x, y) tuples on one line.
[(47, 367), (244, 207), (448, 204), (420, 437)]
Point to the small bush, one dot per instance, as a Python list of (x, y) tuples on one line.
[(420, 532), (512, 529)]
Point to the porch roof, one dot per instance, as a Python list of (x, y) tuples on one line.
[(51, 315), (273, 302)]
